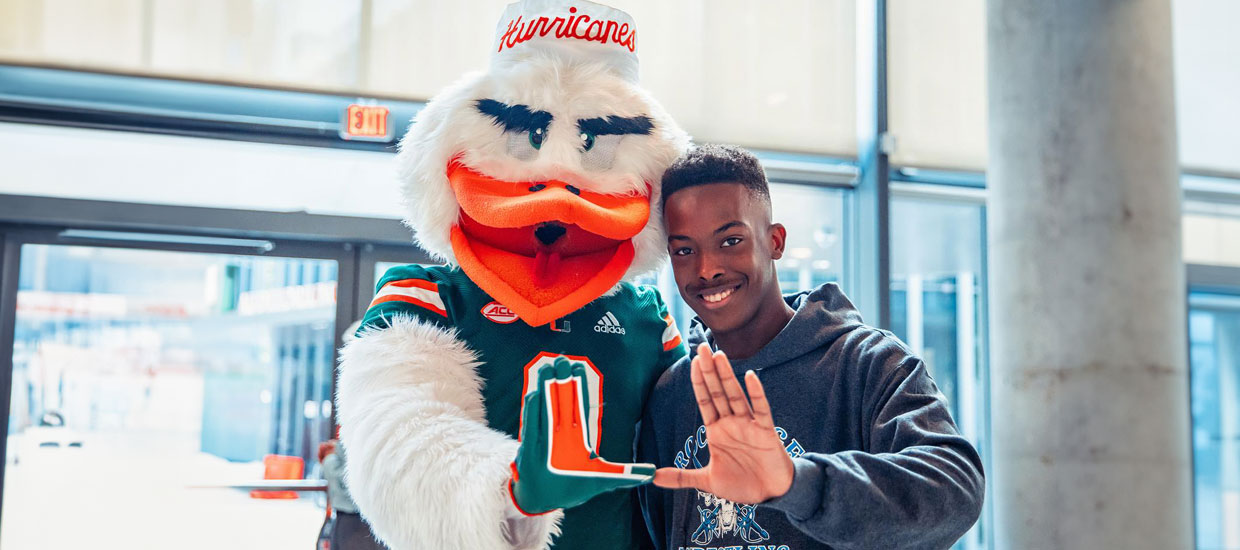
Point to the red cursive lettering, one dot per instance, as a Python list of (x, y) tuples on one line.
[(596, 30)]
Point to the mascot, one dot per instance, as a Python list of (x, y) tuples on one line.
[(491, 403)]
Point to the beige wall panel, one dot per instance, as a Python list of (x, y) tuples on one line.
[(20, 28), (776, 75), (1207, 67), (1211, 240), (311, 43), (101, 34), (207, 38), (669, 46), (937, 82), (771, 75), (419, 46), (781, 75)]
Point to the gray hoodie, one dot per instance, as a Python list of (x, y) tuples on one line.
[(878, 460)]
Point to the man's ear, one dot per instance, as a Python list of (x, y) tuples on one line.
[(779, 238)]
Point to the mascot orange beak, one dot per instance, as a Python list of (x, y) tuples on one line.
[(543, 249)]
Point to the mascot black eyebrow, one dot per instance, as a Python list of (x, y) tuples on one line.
[(537, 182)]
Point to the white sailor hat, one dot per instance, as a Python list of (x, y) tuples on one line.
[(576, 29)]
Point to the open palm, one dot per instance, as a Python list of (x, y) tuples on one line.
[(748, 463)]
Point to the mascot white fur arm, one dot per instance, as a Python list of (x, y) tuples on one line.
[(425, 467), (427, 470)]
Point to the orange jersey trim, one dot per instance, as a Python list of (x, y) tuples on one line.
[(418, 292)]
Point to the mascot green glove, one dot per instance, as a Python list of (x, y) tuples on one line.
[(556, 465)]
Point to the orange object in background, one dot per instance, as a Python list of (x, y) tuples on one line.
[(280, 467)]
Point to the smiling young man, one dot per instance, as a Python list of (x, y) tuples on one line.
[(845, 442)]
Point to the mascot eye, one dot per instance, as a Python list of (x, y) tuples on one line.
[(598, 152), (524, 144)]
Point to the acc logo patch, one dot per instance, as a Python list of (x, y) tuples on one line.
[(499, 313)]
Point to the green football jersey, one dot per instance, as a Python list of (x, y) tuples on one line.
[(626, 340)]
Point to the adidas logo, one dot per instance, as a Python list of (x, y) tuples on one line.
[(609, 324)]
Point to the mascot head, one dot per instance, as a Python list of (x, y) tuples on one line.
[(540, 177)]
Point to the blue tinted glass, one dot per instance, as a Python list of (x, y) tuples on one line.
[(1214, 353), (937, 305)]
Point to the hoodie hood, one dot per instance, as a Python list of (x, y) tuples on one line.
[(822, 316)]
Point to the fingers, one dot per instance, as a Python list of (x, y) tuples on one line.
[(710, 377), (545, 373), (532, 410), (632, 476), (638, 476), (677, 478), (534, 425), (584, 413), (761, 407), (731, 386), (705, 405), (642, 469), (565, 397)]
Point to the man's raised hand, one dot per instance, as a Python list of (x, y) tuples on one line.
[(748, 463)]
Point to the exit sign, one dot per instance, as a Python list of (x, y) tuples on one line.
[(366, 122)]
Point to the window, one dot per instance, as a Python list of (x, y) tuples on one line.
[(139, 374), (1211, 221), (1214, 352), (814, 218), (154, 169), (938, 305)]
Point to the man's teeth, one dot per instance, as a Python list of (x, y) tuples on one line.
[(717, 297)]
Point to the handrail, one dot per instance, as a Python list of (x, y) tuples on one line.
[(302, 485)]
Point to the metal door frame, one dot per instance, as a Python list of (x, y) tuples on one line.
[(355, 244)]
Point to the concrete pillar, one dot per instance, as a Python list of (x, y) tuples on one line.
[(1090, 412)]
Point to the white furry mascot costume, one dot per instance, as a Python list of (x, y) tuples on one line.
[(492, 402)]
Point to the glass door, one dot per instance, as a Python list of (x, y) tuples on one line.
[(145, 382), (938, 305), (1214, 352)]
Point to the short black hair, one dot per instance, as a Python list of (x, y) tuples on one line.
[(711, 163)]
